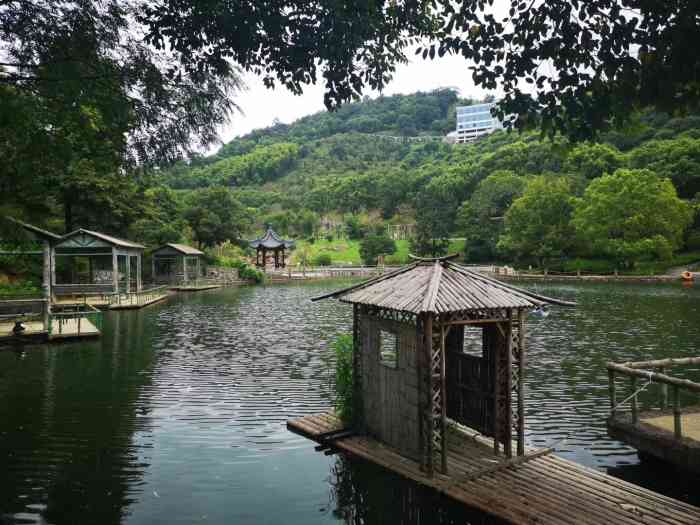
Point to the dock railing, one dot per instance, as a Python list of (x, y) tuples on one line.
[(143, 297), (24, 310), (75, 320), (654, 372)]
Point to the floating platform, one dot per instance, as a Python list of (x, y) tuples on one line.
[(654, 435), (74, 328), (195, 288), (35, 331), (542, 489), (133, 302)]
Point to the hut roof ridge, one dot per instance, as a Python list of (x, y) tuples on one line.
[(108, 238), (182, 248), (440, 286)]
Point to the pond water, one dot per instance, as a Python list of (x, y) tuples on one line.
[(177, 414)]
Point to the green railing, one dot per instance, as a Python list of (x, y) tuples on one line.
[(77, 320)]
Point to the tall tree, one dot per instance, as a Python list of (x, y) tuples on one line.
[(215, 216), (538, 223), (630, 215)]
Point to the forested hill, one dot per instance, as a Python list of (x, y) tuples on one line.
[(512, 195), (268, 153)]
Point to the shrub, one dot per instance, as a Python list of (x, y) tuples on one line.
[(373, 246), (323, 259), (344, 401), (245, 270), (692, 242)]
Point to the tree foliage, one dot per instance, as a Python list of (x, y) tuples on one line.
[(538, 223), (630, 215), (374, 245), (215, 216)]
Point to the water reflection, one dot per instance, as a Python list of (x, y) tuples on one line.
[(177, 414), (363, 493)]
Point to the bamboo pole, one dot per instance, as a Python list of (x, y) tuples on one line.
[(660, 378), (635, 411), (677, 430), (443, 414), (664, 392), (663, 363), (611, 390)]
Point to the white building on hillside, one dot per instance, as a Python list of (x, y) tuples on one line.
[(475, 121)]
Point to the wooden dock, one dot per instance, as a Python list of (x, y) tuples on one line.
[(34, 330), (74, 328), (195, 288), (542, 489), (654, 435)]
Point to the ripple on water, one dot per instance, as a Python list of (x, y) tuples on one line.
[(179, 411)]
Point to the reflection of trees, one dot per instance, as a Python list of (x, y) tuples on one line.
[(363, 493), (69, 414)]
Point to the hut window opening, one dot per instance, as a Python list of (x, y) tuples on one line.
[(473, 341), (388, 349)]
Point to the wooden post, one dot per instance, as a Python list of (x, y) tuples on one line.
[(139, 284), (443, 413), (635, 411), (184, 269), (199, 267), (495, 349), (508, 445), (153, 268), (677, 430), (611, 390), (128, 273), (115, 271), (664, 391), (428, 409), (521, 384)]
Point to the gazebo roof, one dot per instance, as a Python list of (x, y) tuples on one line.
[(271, 241), (440, 286), (182, 248), (39, 232), (114, 241)]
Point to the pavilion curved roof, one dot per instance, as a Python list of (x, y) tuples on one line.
[(440, 286), (271, 241)]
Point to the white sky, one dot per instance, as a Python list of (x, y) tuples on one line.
[(261, 106)]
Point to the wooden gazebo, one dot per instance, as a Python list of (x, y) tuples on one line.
[(176, 263), (112, 266), (271, 242), (414, 369)]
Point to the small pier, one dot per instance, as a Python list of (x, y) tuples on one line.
[(538, 487), (670, 431)]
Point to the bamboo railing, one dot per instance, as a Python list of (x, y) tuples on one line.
[(654, 372)]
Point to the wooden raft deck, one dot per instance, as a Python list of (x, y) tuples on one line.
[(654, 435), (69, 329), (544, 490)]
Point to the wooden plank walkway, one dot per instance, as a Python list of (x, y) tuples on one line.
[(133, 302), (544, 490), (194, 288)]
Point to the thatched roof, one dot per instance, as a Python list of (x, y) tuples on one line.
[(440, 286)]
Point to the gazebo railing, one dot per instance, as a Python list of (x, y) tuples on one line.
[(642, 374), (75, 321)]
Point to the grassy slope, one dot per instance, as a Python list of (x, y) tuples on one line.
[(346, 252)]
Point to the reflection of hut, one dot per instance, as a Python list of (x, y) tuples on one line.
[(435, 341), (176, 263), (88, 262), (271, 242)]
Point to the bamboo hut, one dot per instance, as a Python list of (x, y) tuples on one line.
[(435, 341)]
